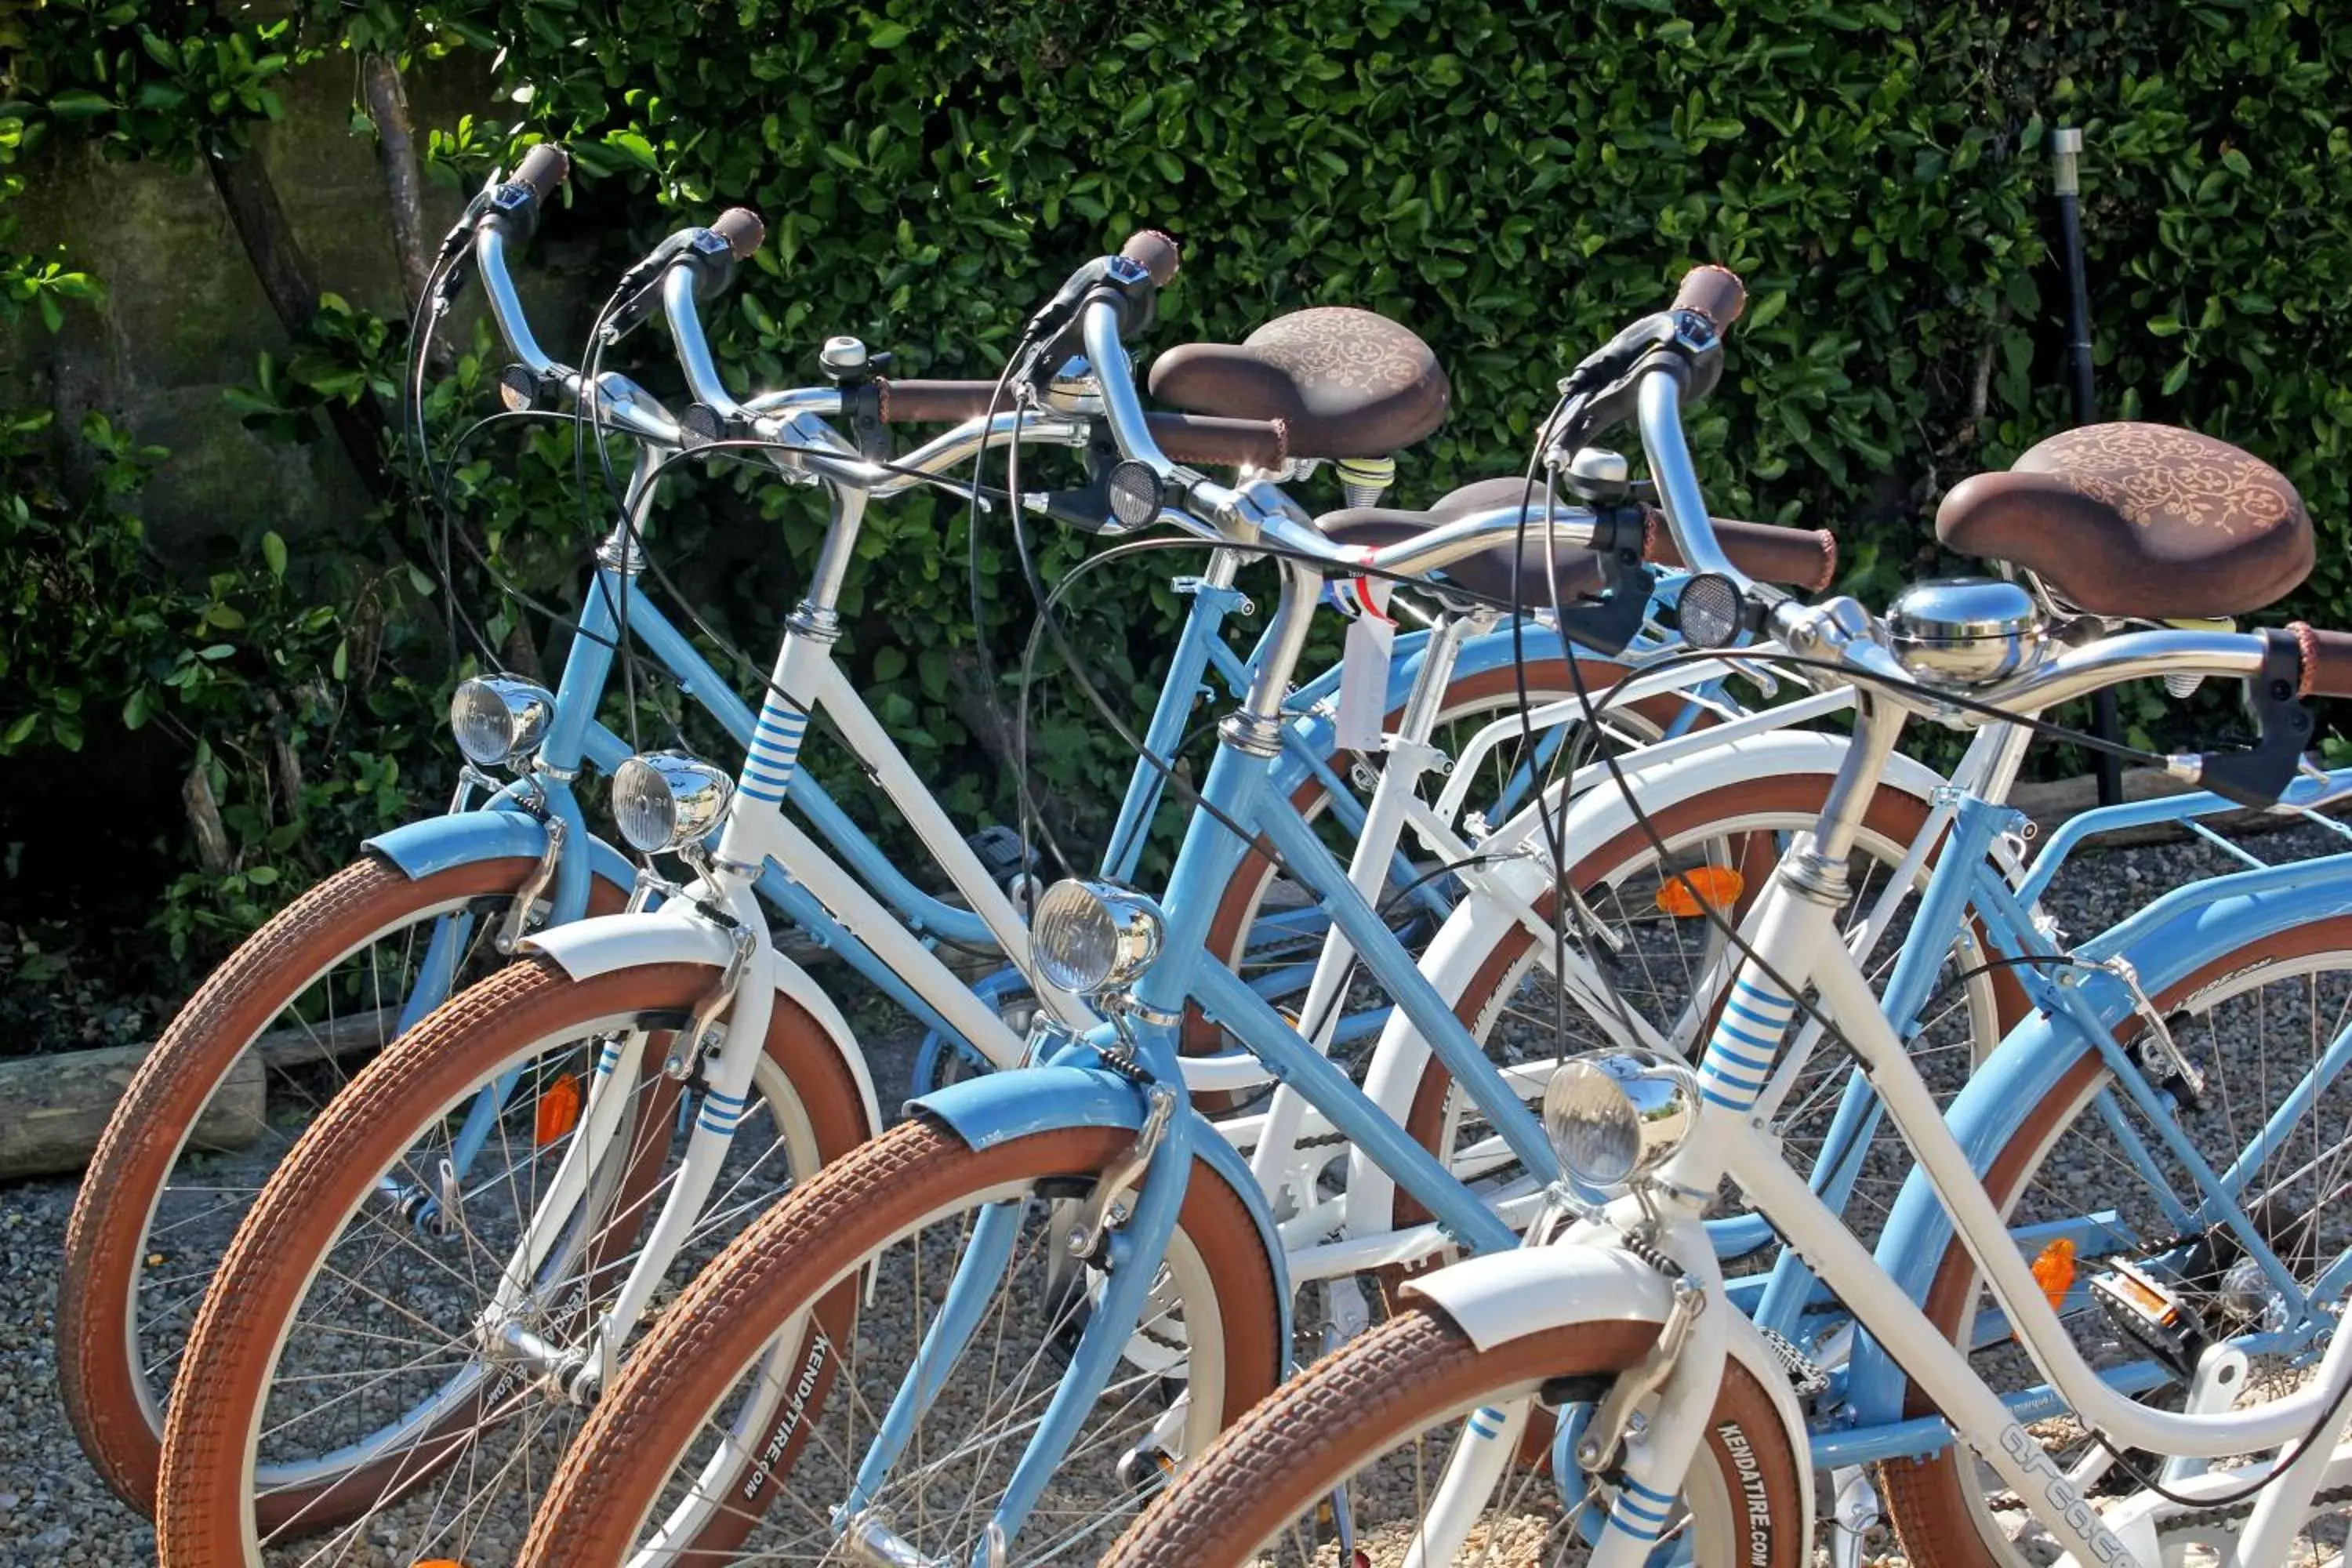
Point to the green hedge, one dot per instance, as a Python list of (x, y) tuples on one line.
[(1513, 179)]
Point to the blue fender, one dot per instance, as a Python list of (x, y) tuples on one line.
[(2165, 943), (994, 1109), (438, 843)]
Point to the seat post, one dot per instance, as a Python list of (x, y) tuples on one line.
[(1364, 481)]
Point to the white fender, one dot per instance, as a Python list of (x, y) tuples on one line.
[(675, 934), (1597, 816), (1504, 1296)]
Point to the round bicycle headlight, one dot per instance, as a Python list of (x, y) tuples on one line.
[(1612, 1115), (664, 801), (1089, 937), (498, 719)]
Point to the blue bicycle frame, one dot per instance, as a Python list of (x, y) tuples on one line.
[(1965, 882)]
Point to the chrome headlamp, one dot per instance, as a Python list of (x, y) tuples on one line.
[(498, 719), (1612, 1115), (1090, 937), (665, 801)]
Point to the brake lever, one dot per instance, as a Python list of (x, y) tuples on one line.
[(1607, 623), (2260, 776)]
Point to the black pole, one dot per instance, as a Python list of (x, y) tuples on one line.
[(2065, 148)]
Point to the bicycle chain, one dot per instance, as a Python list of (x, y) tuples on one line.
[(2218, 1515)]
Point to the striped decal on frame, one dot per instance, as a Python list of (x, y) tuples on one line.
[(775, 747), (1747, 1040)]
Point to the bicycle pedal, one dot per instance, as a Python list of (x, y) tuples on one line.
[(2151, 1317)]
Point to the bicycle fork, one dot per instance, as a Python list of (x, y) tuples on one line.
[(1131, 1256), (725, 1037)]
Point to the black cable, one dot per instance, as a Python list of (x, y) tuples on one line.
[(1554, 828), (588, 413), (1029, 810), (429, 311)]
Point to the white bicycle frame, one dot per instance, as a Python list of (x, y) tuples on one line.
[(1504, 875), (1794, 935)]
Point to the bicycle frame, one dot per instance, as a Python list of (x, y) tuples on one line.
[(1795, 938), (1968, 877)]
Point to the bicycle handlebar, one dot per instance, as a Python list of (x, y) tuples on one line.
[(1155, 253), (741, 229), (618, 399), (1715, 292), (2326, 660), (543, 168)]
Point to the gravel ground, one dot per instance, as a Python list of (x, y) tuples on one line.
[(53, 1509)]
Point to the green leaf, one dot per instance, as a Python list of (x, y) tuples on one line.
[(135, 709), (80, 103), (633, 147), (887, 35), (273, 554)]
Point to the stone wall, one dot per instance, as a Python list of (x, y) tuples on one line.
[(183, 318)]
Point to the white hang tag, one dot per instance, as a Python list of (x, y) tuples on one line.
[(1364, 670)]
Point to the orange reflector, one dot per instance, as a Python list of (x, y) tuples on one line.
[(2054, 1270), (1718, 886), (559, 1113)]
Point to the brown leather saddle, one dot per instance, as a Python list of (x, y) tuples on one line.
[(2147, 520), (1344, 383)]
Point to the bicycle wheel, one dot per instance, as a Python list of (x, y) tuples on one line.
[(358, 1366), (319, 987), (2256, 1020), (667, 1470), (1263, 923), (1380, 1418), (1655, 948)]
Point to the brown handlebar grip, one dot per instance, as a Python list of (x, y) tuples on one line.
[(2326, 662), (1225, 443), (1715, 292), (543, 168), (1794, 557), (741, 229), (1155, 251), (938, 402)]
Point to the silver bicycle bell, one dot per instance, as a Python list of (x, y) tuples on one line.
[(1966, 631)]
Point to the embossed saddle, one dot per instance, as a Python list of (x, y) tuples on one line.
[(2130, 519), (1344, 383)]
